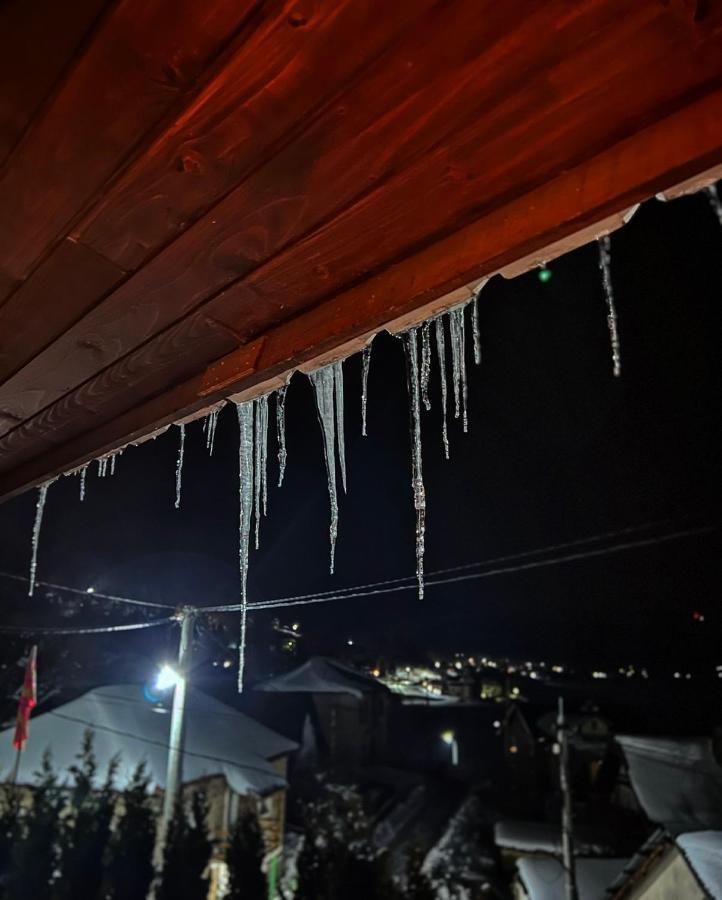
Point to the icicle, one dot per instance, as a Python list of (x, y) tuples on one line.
[(417, 477), (257, 471), (209, 429), (323, 381), (605, 266), (101, 468), (340, 439), (425, 363), (262, 462), (245, 497), (714, 200), (457, 330), (82, 474), (281, 431), (39, 509), (365, 366), (179, 465), (112, 463), (441, 352), (476, 331)]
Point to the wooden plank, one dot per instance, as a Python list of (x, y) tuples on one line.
[(668, 152), (142, 58), (429, 103), (276, 82), (65, 286), (37, 42), (279, 94)]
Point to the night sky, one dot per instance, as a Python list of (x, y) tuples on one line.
[(558, 450)]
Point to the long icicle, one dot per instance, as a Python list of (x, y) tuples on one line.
[(454, 339), (281, 431), (340, 439), (257, 471), (245, 501), (476, 331), (417, 476), (425, 363), (365, 366), (262, 462), (457, 330), (714, 201), (37, 524), (209, 427), (83, 473), (464, 384), (605, 258), (441, 352), (179, 465), (323, 382)]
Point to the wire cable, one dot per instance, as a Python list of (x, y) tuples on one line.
[(89, 594), (100, 629), (571, 557)]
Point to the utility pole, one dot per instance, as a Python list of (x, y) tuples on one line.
[(570, 875), (174, 768)]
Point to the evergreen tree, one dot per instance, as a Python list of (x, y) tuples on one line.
[(10, 834), (86, 827), (187, 854), (418, 884), (244, 858), (36, 855), (130, 866)]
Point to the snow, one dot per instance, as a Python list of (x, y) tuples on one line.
[(677, 781), (544, 837), (219, 740), (320, 675), (543, 878), (703, 850)]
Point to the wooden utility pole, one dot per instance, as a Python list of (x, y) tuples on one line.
[(570, 875)]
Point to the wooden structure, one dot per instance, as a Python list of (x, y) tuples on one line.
[(197, 198)]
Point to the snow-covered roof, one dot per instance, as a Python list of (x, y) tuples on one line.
[(703, 850), (543, 877), (321, 675), (677, 781), (541, 837), (219, 740)]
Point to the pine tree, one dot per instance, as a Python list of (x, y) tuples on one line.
[(10, 834), (130, 867), (86, 827), (187, 854), (418, 885), (244, 858), (36, 855)]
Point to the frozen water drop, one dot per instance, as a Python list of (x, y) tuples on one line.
[(476, 331), (83, 472), (245, 497), (281, 431), (605, 258), (365, 366), (441, 352), (425, 363), (340, 439), (417, 477), (37, 525), (179, 465), (714, 200), (324, 386)]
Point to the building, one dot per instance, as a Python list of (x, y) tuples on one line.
[(234, 760)]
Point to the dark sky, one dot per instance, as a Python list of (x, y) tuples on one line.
[(558, 449)]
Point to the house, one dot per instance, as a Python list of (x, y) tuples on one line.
[(234, 760), (350, 710)]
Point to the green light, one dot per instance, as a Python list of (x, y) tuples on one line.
[(544, 275)]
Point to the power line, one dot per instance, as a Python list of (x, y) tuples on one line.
[(163, 744), (571, 557), (100, 629), (89, 593), (412, 580)]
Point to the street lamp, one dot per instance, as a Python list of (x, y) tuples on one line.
[(449, 738), (167, 678)]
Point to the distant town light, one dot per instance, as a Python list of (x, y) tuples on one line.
[(167, 678), (90, 590), (677, 675), (349, 642), (295, 626), (448, 737), (496, 723), (227, 663), (544, 275), (376, 672)]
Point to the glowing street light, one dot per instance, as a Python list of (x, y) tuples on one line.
[(449, 738), (167, 678)]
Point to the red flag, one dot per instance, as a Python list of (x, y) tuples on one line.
[(28, 699)]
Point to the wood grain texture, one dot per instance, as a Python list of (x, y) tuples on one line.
[(37, 42), (409, 113), (364, 166), (663, 154), (142, 58)]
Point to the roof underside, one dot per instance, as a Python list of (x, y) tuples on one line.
[(196, 198)]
